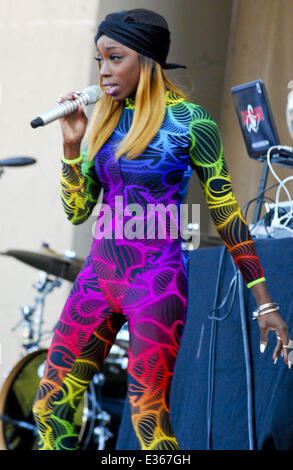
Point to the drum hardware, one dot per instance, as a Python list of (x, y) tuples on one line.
[(99, 379), (65, 266), (99, 413), (15, 161), (98, 419), (20, 424), (104, 417), (122, 343), (47, 262), (101, 436), (26, 312), (32, 316), (122, 362)]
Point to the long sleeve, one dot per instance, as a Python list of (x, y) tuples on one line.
[(80, 189), (206, 154)]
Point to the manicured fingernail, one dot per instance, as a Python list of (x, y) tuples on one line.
[(275, 361), (262, 348)]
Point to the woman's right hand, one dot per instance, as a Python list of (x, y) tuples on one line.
[(74, 125)]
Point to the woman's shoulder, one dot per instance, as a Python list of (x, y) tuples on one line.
[(198, 112), (187, 108)]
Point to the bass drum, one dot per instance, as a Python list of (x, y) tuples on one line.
[(97, 418)]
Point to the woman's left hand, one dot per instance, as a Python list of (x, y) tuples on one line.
[(273, 321)]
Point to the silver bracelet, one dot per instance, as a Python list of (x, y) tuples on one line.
[(270, 304), (260, 309)]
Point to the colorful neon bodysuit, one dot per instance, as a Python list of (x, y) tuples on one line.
[(142, 280)]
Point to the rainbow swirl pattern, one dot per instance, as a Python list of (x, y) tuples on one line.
[(137, 279)]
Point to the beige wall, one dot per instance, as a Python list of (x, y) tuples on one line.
[(260, 46), (45, 50)]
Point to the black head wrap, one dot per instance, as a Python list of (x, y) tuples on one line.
[(149, 40)]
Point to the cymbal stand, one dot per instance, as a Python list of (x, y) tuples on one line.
[(32, 316), (99, 418), (32, 321)]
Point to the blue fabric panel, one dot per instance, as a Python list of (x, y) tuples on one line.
[(272, 385)]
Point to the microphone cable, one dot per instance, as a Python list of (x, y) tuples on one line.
[(248, 366), (232, 289)]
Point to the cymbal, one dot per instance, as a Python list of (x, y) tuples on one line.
[(17, 161), (49, 261)]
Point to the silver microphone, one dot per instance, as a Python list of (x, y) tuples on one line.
[(87, 96)]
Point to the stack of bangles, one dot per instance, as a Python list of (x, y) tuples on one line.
[(268, 308), (264, 309)]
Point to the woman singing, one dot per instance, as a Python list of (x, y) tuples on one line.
[(144, 142)]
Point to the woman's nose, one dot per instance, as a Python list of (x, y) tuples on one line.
[(105, 69)]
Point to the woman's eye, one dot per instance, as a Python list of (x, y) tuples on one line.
[(114, 58)]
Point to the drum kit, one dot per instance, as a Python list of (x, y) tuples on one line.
[(97, 418)]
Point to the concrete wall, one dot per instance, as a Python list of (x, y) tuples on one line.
[(260, 46), (45, 50)]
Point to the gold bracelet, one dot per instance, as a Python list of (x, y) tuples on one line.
[(75, 190)]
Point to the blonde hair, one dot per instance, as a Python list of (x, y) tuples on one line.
[(148, 115)]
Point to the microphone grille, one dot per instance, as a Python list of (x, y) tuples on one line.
[(94, 93)]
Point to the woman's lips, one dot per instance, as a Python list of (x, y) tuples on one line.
[(111, 89)]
